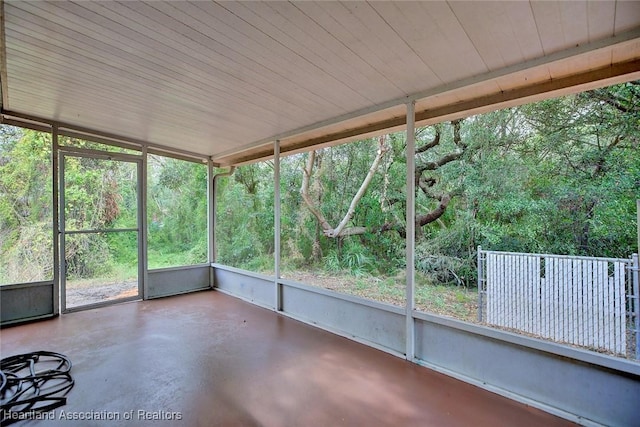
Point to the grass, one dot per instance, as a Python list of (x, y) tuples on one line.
[(446, 300), (457, 302), (160, 259)]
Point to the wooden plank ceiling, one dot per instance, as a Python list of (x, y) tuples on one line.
[(225, 79)]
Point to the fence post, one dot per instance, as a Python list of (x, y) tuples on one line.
[(636, 303), (480, 283), (638, 222)]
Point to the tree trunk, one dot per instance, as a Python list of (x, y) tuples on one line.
[(342, 229)]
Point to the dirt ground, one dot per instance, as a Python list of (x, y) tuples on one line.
[(83, 293)]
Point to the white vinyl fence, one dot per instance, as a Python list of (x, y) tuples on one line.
[(590, 302)]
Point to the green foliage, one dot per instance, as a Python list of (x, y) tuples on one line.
[(26, 246), (339, 173), (87, 255), (559, 176), (244, 219), (25, 164), (176, 212), (99, 194), (27, 256), (353, 258)]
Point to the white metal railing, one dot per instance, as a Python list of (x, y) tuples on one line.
[(584, 301)]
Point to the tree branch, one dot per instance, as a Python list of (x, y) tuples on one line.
[(430, 166), (457, 138), (430, 145), (341, 229), (304, 191), (424, 219), (382, 149)]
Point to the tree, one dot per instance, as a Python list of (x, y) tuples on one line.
[(426, 179), (431, 156), (25, 205), (176, 211), (341, 229), (587, 146), (559, 176)]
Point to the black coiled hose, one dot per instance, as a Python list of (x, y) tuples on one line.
[(33, 383)]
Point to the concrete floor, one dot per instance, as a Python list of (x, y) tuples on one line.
[(208, 359)]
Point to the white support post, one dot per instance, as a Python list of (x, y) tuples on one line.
[(143, 233), (61, 238), (636, 284), (210, 220), (411, 231), (481, 275), (56, 221), (277, 211), (635, 270)]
